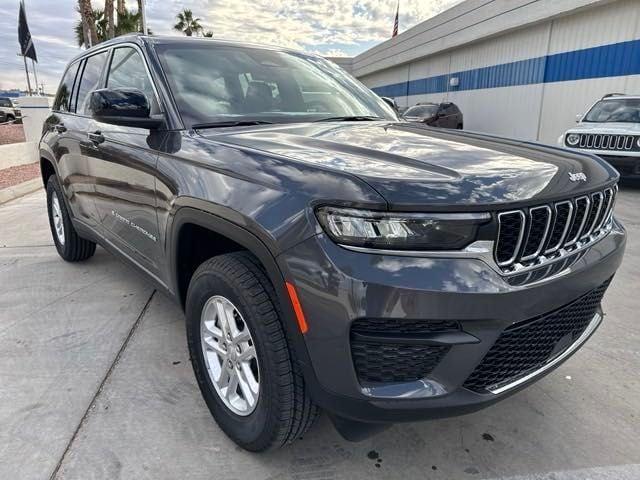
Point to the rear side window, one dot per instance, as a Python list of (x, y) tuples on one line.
[(5, 102), (63, 98), (127, 70), (90, 81)]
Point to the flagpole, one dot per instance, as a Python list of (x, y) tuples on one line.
[(35, 74), (26, 70)]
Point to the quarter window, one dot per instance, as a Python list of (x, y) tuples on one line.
[(127, 70), (90, 81), (63, 99)]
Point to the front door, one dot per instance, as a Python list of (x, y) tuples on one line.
[(125, 174)]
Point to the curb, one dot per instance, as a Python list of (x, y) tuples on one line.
[(20, 190)]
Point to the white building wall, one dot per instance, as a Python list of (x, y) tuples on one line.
[(537, 111)]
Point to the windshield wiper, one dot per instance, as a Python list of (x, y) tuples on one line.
[(351, 118), (230, 123)]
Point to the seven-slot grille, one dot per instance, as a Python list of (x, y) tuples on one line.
[(598, 141), (530, 235)]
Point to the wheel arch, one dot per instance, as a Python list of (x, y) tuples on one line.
[(186, 216)]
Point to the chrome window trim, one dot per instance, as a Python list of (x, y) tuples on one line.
[(544, 235), (566, 227), (516, 250), (593, 325)]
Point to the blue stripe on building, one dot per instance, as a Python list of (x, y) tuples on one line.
[(617, 59)]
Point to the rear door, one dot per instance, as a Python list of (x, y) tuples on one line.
[(76, 165), (125, 172)]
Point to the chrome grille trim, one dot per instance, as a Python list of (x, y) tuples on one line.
[(592, 212), (576, 236), (606, 141), (566, 226), (596, 204), (544, 235), (516, 250)]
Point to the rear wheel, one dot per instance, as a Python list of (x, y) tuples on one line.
[(459, 127), (71, 247), (245, 369)]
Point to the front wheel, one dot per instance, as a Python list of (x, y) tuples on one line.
[(71, 247), (241, 358)]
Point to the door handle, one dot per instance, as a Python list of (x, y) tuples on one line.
[(60, 128), (96, 137)]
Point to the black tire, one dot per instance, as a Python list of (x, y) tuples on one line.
[(284, 411), (74, 248), (459, 127), (11, 118)]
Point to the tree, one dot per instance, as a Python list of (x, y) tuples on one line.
[(108, 9), (128, 22), (121, 9), (88, 22), (187, 24), (208, 34)]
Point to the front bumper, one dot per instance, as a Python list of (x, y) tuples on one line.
[(337, 286)]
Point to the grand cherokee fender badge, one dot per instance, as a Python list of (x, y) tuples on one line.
[(577, 177)]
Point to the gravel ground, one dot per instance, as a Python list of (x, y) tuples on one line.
[(11, 134), (14, 175)]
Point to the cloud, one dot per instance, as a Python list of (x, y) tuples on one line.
[(328, 27)]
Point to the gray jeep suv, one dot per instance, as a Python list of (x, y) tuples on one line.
[(327, 254)]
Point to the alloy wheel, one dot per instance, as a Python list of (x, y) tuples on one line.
[(230, 355)]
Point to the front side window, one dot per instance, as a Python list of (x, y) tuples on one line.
[(63, 98), (127, 70), (90, 81), (625, 110), (217, 83)]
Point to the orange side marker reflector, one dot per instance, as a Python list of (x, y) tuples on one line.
[(297, 308)]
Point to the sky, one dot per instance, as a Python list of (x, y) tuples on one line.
[(327, 27)]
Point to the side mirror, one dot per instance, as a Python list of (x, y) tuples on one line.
[(578, 118), (391, 102), (127, 107)]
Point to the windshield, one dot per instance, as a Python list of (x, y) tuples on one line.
[(422, 111), (625, 110), (217, 83)]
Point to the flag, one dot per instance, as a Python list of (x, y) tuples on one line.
[(396, 22), (24, 36)]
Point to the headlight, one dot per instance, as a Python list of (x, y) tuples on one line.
[(573, 139), (400, 231)]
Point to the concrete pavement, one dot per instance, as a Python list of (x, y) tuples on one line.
[(95, 382)]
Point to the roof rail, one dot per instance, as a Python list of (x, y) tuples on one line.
[(613, 95)]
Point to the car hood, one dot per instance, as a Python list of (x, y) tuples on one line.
[(622, 128), (415, 167)]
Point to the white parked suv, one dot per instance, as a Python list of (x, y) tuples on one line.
[(8, 111), (611, 130)]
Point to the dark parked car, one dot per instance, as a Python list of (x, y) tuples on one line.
[(327, 255), (445, 115)]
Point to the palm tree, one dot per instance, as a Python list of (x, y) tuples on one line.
[(108, 8), (88, 22), (187, 24), (128, 22)]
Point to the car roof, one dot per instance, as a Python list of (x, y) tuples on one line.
[(616, 96), (140, 39)]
